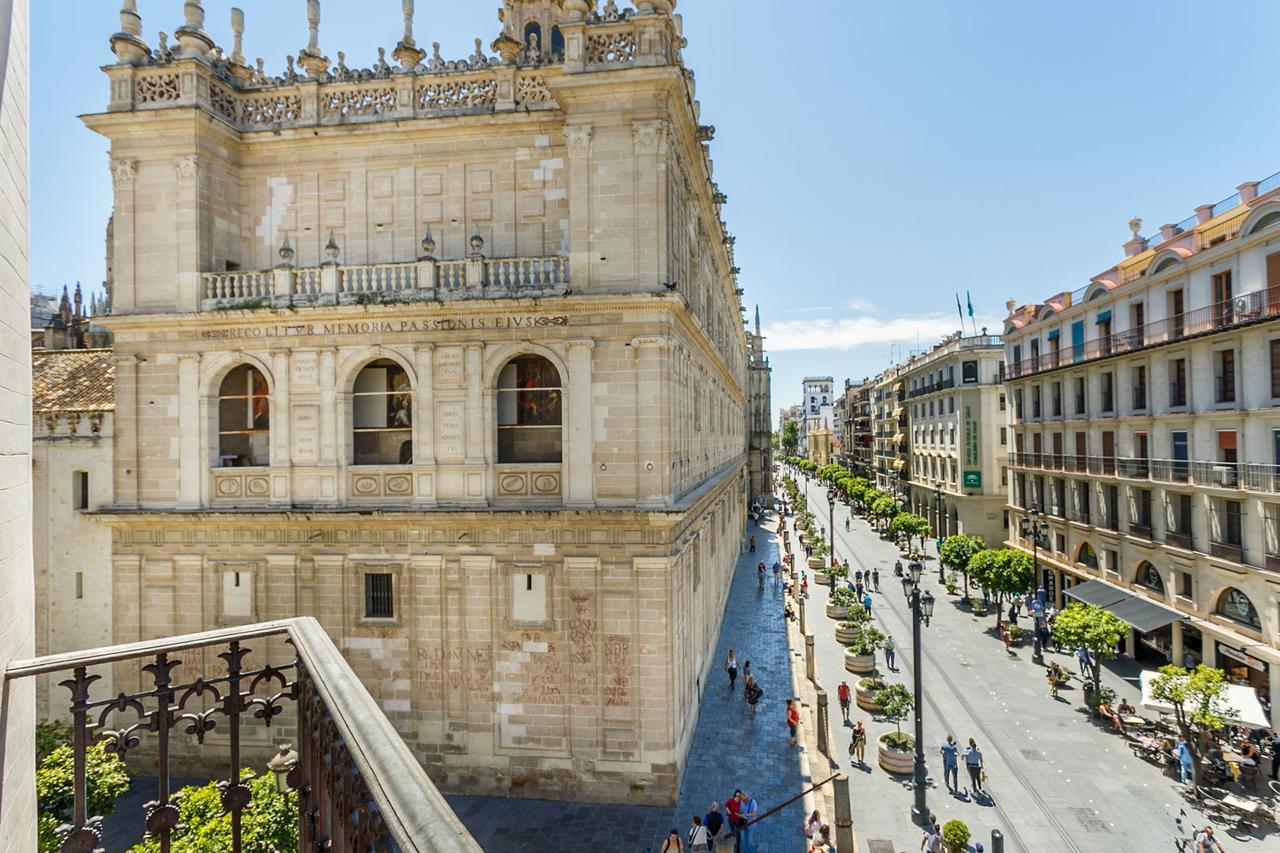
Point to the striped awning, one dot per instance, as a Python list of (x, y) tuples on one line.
[(899, 464), (899, 438)]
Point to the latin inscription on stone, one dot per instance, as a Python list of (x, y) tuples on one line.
[(449, 419), (304, 370), (371, 328), (448, 366), (306, 433)]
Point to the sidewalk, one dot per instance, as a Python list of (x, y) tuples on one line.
[(1058, 780)]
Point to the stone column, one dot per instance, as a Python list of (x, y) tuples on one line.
[(186, 213), (844, 816), (280, 453), (651, 143), (475, 431), (1176, 649), (578, 476), (330, 444), (190, 457), (424, 451), (578, 143), (652, 460), (126, 429)]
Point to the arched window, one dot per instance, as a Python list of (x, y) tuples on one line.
[(1087, 556), (244, 418), (529, 411), (382, 415), (1237, 607), (557, 42), (1150, 578), (533, 37), (1266, 222)]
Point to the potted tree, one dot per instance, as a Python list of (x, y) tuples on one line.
[(1004, 572), (1089, 627), (839, 602), (818, 563), (865, 692), (837, 574), (957, 551), (955, 834), (895, 750), (855, 619), (861, 656)]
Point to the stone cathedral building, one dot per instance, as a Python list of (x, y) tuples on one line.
[(448, 354)]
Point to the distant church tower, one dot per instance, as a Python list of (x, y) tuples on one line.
[(536, 25)]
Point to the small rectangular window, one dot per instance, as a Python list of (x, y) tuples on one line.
[(79, 585), (377, 596), (80, 490)]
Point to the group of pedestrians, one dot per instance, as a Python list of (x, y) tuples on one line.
[(740, 810), (973, 762), (751, 689)]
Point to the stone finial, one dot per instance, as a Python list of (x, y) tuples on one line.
[(127, 44), (477, 244), (310, 57), (428, 246), (191, 35), (575, 10), (286, 253), (1010, 305), (331, 249), (1135, 225), (237, 31), (407, 52)]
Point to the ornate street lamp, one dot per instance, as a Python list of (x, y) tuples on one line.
[(281, 764), (1033, 526), (921, 611), (937, 514), (831, 521)]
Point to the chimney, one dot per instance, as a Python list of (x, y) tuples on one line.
[(1204, 213), (1248, 191)]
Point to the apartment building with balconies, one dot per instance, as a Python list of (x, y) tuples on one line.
[(1146, 433), (889, 432), (958, 434)]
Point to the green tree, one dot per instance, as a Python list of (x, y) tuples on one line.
[(955, 833), (790, 437), (267, 825), (908, 524), (1197, 697), (106, 778), (50, 736), (957, 551), (883, 508), (1086, 626), (1002, 572), (895, 703)]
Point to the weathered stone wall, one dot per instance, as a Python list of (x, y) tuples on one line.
[(17, 633)]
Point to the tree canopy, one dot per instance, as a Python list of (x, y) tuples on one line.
[(106, 778), (268, 824), (1197, 696), (957, 551), (1003, 572), (790, 436), (1089, 627)]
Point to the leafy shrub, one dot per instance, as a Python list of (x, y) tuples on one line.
[(869, 641), (956, 835), (898, 741), (106, 778), (842, 596), (268, 824), (50, 736)]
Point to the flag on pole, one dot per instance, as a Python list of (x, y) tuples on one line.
[(960, 311), (970, 300)]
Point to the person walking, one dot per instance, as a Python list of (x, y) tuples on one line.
[(890, 648), (842, 692), (777, 573), (950, 753), (793, 719), (1082, 661), (750, 811), (1006, 637), (846, 525), (760, 575), (673, 844), (931, 840), (1054, 674), (858, 743), (714, 822), (875, 579), (973, 763), (731, 667), (752, 690), (733, 813), (857, 576), (753, 544), (699, 838), (1185, 761), (866, 602)]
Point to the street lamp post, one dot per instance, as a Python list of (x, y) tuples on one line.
[(921, 610), (1034, 526), (937, 515), (831, 521)]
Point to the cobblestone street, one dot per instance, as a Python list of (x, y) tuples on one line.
[(730, 750), (1057, 779)]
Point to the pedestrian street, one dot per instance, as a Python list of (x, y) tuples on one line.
[(1058, 780)]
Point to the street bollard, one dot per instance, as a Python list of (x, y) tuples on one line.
[(844, 816), (997, 841), (808, 657), (802, 631), (824, 737)]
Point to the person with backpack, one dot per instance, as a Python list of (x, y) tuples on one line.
[(875, 579), (673, 844), (699, 838), (890, 649)]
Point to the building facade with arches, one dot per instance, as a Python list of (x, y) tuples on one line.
[(1146, 434), (449, 355)]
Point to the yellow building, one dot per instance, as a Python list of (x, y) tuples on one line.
[(447, 354)]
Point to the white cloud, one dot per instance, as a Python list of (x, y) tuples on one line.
[(845, 333)]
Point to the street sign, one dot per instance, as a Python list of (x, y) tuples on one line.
[(973, 479)]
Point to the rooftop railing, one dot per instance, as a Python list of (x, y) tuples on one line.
[(359, 786), (1232, 313)]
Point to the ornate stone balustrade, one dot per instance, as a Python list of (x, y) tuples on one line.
[(358, 785), (250, 100), (333, 284)]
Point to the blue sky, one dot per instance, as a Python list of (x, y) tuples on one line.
[(878, 157)]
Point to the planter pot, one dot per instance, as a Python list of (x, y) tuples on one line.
[(846, 636), (817, 564), (895, 761), (835, 611), (862, 664), (819, 578), (866, 699)]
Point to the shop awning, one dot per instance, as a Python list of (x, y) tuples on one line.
[(899, 412), (1239, 703), (1142, 613)]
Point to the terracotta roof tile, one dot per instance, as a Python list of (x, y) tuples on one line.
[(73, 380)]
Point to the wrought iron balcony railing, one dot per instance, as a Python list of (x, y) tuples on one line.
[(359, 786)]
